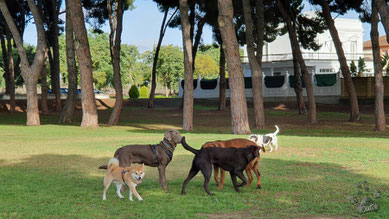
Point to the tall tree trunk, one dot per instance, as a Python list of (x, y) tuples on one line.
[(354, 108), (188, 75), (44, 89), (54, 62), (154, 70), (197, 38), (5, 61), (32, 99), (67, 112), (296, 47), (298, 88), (222, 80), (30, 73), (239, 117), (166, 87), (255, 65), (11, 71), (88, 102), (384, 14), (116, 24), (380, 123)]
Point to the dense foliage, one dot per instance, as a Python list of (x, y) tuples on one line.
[(133, 92)]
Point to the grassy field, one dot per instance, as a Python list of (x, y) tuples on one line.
[(51, 171)]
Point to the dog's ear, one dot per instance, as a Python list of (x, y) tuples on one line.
[(168, 134), (143, 165)]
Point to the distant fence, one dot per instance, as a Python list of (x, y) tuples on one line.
[(364, 86), (273, 86)]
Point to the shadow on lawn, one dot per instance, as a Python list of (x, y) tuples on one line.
[(71, 185)]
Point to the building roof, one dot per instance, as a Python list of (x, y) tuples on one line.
[(381, 41)]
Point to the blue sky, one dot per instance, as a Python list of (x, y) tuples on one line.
[(141, 27)]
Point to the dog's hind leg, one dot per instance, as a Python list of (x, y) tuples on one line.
[(216, 174), (249, 175), (192, 173), (206, 170), (107, 183), (257, 173), (222, 179), (118, 188)]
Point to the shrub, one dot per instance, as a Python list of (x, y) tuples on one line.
[(144, 92), (134, 93)]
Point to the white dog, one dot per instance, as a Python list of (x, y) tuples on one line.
[(268, 139)]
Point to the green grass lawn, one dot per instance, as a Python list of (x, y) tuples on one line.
[(51, 171)]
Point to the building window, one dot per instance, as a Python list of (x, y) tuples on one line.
[(327, 70), (353, 47)]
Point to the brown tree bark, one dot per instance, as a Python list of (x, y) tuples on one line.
[(154, 69), (44, 90), (296, 47), (384, 14), (116, 25), (30, 73), (5, 61), (239, 117), (354, 107), (11, 71), (54, 62), (298, 89), (67, 112), (188, 75), (222, 80), (197, 38), (380, 123), (88, 102), (255, 64)]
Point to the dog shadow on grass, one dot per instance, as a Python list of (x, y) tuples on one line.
[(71, 185)]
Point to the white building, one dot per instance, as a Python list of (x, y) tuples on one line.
[(322, 64)]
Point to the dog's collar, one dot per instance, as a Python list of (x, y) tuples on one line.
[(166, 143), (168, 148)]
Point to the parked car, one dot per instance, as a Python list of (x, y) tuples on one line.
[(94, 90), (61, 91)]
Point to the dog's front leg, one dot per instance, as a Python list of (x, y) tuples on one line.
[(133, 190), (234, 182), (242, 177), (162, 177)]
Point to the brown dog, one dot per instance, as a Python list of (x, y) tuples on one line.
[(252, 166), (158, 155)]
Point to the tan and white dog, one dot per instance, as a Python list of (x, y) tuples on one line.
[(130, 176), (268, 139)]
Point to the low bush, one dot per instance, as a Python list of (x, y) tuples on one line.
[(134, 93)]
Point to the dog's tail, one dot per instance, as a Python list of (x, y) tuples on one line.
[(187, 147), (113, 163), (103, 167), (278, 130)]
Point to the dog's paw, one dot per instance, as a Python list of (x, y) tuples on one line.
[(183, 193), (258, 186), (121, 197)]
